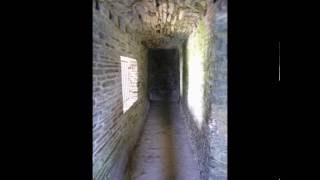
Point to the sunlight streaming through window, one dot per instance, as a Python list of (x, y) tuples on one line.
[(129, 74)]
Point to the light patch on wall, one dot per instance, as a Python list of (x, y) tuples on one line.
[(197, 47), (196, 79), (129, 76)]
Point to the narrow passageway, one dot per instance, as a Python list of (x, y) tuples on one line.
[(151, 59), (163, 151)]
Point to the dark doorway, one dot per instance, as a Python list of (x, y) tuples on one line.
[(164, 74)]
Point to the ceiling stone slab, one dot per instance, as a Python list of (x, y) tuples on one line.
[(158, 22)]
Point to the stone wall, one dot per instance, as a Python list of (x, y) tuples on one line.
[(164, 74), (218, 115), (114, 132), (204, 93), (193, 98), (160, 22)]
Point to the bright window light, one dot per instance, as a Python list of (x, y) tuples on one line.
[(129, 74)]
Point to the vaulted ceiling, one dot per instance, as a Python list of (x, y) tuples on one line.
[(159, 22)]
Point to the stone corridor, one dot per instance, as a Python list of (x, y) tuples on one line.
[(159, 90), (164, 151)]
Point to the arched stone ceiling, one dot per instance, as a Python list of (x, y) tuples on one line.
[(159, 22)]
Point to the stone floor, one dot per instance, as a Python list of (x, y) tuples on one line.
[(164, 152)]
